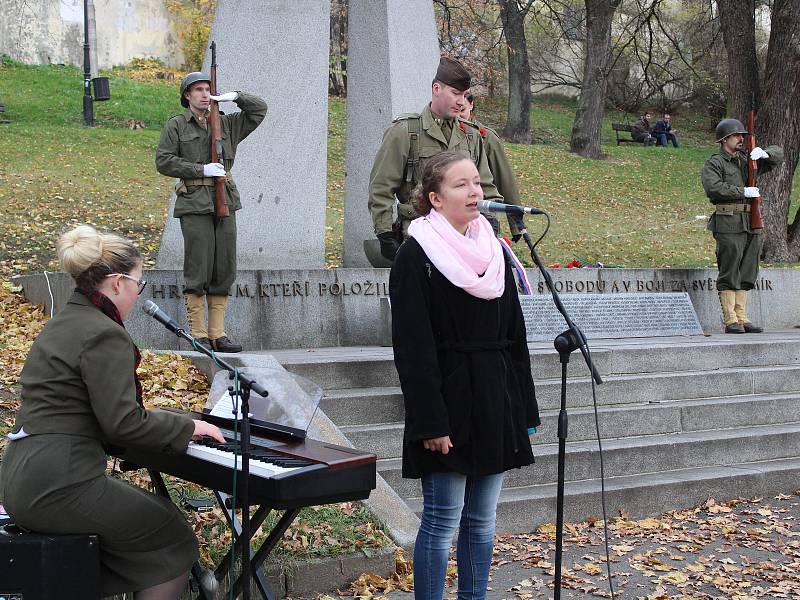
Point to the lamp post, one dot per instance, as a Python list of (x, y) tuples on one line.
[(88, 107)]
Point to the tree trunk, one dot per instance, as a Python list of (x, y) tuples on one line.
[(737, 18), (585, 139), (778, 122), (518, 122)]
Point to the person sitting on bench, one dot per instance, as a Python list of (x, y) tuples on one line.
[(640, 131)]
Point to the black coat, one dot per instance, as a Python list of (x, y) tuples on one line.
[(464, 370)]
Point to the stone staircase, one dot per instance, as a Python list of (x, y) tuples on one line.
[(681, 419)]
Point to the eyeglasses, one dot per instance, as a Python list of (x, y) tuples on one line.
[(140, 283)]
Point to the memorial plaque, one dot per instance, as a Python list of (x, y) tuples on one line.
[(611, 315)]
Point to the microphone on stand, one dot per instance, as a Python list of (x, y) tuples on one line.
[(489, 206), (152, 309)]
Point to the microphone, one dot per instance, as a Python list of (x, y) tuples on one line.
[(152, 309), (489, 206)]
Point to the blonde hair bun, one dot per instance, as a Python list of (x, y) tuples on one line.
[(79, 249)]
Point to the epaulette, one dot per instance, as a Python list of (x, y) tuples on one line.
[(405, 117)]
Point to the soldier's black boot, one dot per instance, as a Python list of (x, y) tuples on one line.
[(734, 328), (750, 328), (224, 344)]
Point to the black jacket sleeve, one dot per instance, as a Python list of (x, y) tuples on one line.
[(414, 343), (520, 355)]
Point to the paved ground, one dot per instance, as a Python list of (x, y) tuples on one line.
[(740, 549)]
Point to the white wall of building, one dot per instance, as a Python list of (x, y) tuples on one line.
[(51, 31)]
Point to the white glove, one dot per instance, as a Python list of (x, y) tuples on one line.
[(758, 153), (217, 170), (751, 192), (228, 97)]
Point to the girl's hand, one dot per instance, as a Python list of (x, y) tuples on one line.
[(440, 444), (202, 428)]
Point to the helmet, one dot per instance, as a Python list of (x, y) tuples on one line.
[(189, 80), (728, 127)]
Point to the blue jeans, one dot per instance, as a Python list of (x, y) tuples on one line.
[(663, 137), (453, 500)]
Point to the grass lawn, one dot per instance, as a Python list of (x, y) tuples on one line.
[(637, 208)]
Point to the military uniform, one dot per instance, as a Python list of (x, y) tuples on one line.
[(209, 265), (78, 392), (407, 145), (502, 173), (724, 178)]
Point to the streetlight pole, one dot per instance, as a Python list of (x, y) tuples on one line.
[(88, 107)]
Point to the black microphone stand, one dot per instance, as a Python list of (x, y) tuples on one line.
[(565, 343), (246, 384)]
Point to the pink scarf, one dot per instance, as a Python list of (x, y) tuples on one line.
[(473, 262)]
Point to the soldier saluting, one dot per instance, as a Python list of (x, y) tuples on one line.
[(184, 152), (724, 180), (411, 141)]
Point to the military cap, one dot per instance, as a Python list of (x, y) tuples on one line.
[(728, 127), (189, 80), (452, 73)]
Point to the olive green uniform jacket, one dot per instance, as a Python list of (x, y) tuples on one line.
[(209, 243), (389, 177), (502, 172), (185, 146), (724, 178), (78, 392)]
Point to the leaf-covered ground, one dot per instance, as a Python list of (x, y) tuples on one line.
[(740, 549)]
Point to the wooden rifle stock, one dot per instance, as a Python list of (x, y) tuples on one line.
[(220, 193), (756, 221)]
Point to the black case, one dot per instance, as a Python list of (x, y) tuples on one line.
[(36, 566)]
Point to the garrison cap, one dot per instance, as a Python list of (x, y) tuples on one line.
[(728, 127), (189, 80), (452, 73)]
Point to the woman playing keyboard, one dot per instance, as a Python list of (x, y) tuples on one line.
[(80, 391)]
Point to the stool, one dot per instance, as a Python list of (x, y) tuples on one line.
[(43, 567)]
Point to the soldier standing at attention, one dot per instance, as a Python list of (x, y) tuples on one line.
[(724, 180), (409, 143), (502, 173), (209, 262)]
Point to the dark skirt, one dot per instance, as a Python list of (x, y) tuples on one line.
[(56, 484)]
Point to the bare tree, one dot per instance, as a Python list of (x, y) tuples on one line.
[(337, 68), (518, 121), (738, 29), (778, 117), (585, 139)]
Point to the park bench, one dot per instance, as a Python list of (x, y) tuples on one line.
[(617, 127)]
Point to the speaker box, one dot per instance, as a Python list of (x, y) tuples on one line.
[(35, 566)]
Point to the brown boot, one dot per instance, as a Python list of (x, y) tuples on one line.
[(196, 313), (741, 313), (727, 300), (216, 325)]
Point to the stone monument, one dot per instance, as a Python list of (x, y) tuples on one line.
[(276, 49), (392, 55)]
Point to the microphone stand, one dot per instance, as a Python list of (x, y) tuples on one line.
[(246, 384), (565, 343)]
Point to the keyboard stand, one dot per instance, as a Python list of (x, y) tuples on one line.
[(257, 558)]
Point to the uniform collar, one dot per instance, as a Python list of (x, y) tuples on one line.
[(433, 129), (189, 116)]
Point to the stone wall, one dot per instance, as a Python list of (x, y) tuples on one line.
[(347, 307), (51, 32)]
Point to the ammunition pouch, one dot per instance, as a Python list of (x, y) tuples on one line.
[(406, 212), (731, 209)]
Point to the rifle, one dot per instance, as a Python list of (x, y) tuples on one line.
[(756, 221), (220, 194)]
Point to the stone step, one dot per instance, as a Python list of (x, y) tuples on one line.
[(641, 454), (340, 368), (377, 405), (616, 422), (638, 495)]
